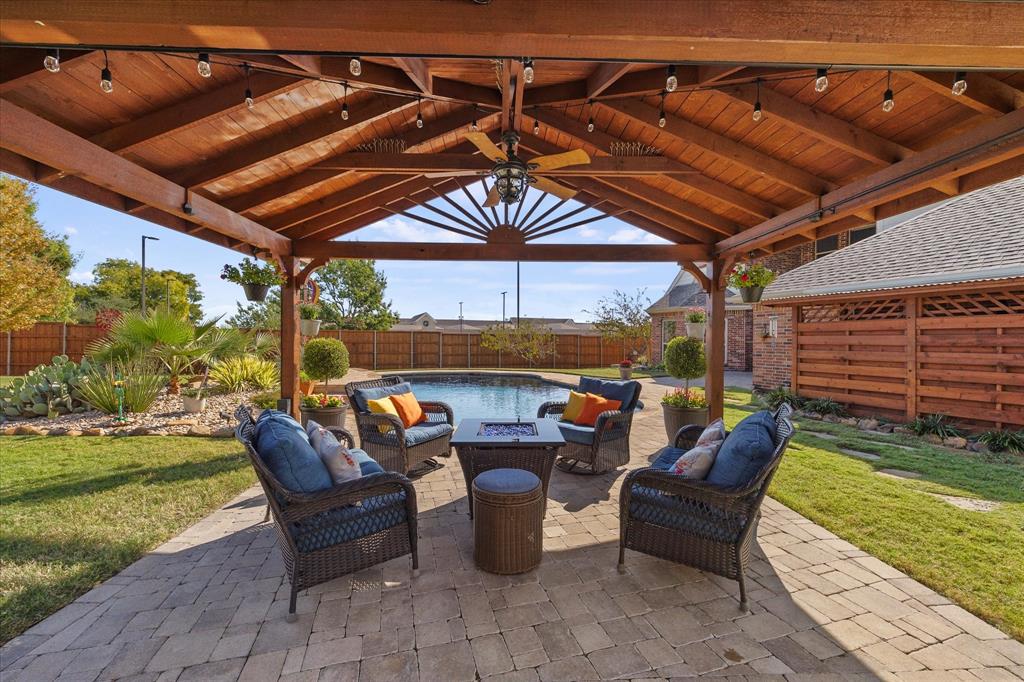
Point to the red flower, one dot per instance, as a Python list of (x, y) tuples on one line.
[(745, 277)]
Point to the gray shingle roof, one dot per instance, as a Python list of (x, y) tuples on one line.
[(976, 237)]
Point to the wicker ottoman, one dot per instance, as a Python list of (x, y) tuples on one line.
[(508, 521)]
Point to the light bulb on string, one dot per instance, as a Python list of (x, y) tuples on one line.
[(419, 114), (249, 100), (671, 81), (344, 104), (528, 73), (106, 80), (959, 83), (51, 62), (355, 67), (474, 126), (821, 81), (203, 65), (888, 103), (661, 113), (536, 127), (757, 115), (590, 125)]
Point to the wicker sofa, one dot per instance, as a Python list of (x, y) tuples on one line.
[(384, 437), (693, 522), (597, 449), (337, 531)]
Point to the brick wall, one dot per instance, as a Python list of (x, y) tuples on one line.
[(740, 337)]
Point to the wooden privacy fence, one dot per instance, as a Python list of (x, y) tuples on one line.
[(22, 350), (961, 354)]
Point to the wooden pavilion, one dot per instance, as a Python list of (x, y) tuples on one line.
[(729, 128)]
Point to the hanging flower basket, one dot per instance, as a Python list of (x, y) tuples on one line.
[(751, 294), (256, 292), (751, 280), (309, 327), (255, 278)]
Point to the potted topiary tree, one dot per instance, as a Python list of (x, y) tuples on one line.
[(324, 359), (684, 359), (309, 325), (751, 280), (696, 321), (256, 279)]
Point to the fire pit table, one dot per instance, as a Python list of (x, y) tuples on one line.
[(484, 444)]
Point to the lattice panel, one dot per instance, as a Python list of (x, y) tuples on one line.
[(974, 304), (881, 309)]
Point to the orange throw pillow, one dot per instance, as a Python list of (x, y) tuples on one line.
[(593, 407), (408, 408)]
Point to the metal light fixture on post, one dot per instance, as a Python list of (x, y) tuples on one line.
[(460, 317), (144, 238), (503, 308)]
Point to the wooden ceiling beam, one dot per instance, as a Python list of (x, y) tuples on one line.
[(990, 143), (605, 75), (47, 143), (390, 78), (984, 94), (512, 87), (310, 63), (417, 71), (19, 66), (724, 147), (633, 83), (712, 73), (825, 127), (612, 253)]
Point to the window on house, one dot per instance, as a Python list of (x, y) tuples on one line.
[(668, 332), (862, 233), (826, 245)]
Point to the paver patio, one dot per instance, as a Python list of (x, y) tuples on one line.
[(211, 604)]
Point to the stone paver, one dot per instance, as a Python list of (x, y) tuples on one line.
[(211, 603)]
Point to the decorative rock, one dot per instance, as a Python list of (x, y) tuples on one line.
[(138, 431), (886, 427), (181, 422), (904, 430), (57, 432), (975, 446), (94, 432), (956, 442), (848, 421), (831, 418), (868, 424), (199, 430), (223, 432), (9, 430), (28, 431), (931, 438), (70, 432)]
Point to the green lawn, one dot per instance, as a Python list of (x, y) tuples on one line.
[(974, 558), (75, 511)]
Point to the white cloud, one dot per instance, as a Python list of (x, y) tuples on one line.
[(70, 229), (588, 232), (81, 277), (402, 230), (633, 235)]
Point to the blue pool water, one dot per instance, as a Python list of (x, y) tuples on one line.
[(486, 395)]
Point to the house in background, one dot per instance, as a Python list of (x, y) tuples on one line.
[(668, 317), (924, 317)]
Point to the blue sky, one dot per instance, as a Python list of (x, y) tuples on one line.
[(548, 289)]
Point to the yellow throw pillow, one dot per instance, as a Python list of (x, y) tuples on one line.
[(384, 406), (574, 406)]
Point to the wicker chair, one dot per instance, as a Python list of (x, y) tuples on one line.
[(392, 449), (608, 445), (693, 522), (307, 523)]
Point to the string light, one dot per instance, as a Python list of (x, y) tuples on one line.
[(419, 114), (106, 81), (757, 115), (661, 113), (887, 101), (355, 67), (536, 127), (51, 62), (821, 81), (528, 70), (959, 83), (344, 104), (671, 82), (203, 65), (474, 126), (249, 101)]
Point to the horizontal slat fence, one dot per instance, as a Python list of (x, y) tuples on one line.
[(23, 350), (959, 354)]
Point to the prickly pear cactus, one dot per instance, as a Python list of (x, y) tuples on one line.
[(47, 389)]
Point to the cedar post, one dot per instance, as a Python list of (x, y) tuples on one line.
[(290, 341), (714, 382)]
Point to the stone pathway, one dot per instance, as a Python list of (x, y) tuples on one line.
[(211, 604)]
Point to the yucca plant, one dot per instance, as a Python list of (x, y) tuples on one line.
[(1003, 441), (141, 379), (825, 406), (936, 424), (246, 371), (776, 397)]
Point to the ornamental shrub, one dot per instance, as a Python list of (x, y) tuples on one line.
[(684, 359), (325, 359)]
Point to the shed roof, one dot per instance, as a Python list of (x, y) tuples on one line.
[(976, 237)]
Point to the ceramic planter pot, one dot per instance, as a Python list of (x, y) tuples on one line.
[(678, 417), (625, 372), (332, 416), (695, 330), (309, 327), (256, 292), (193, 405), (751, 294)]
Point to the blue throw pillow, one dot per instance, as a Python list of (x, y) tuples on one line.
[(626, 392), (283, 445), (745, 451), (367, 465), (361, 395)]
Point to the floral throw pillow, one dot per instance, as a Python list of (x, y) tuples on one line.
[(696, 462), (713, 433), (340, 464)]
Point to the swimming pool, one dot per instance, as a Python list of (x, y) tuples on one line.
[(487, 395)]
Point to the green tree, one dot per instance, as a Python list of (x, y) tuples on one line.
[(684, 359), (117, 283), (622, 317), (527, 340), (34, 266)]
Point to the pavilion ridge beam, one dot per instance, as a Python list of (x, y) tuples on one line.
[(724, 147), (604, 75), (19, 66), (984, 94), (643, 253), (372, 162), (47, 143), (996, 141), (417, 71), (512, 87)]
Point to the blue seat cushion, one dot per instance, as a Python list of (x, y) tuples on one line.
[(361, 395), (745, 451), (284, 447), (510, 481), (626, 392), (574, 433), (367, 465), (667, 457), (421, 433), (351, 522), (685, 515)]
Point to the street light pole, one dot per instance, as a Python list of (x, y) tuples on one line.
[(460, 317), (503, 308), (518, 314), (144, 238)]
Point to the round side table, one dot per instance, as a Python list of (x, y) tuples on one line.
[(508, 519)]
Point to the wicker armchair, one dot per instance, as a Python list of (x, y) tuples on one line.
[(693, 522), (392, 449), (331, 533), (607, 448)]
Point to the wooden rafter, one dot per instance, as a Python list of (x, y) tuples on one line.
[(22, 65), (373, 162), (604, 75), (512, 87), (417, 71), (643, 253), (984, 94)]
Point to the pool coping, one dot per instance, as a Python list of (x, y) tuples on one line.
[(480, 373)]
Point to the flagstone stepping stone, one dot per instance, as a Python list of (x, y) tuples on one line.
[(968, 503), (826, 436), (871, 457), (898, 473)]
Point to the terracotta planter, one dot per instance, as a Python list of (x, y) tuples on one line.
[(193, 405), (625, 372), (678, 417), (309, 327), (307, 387), (695, 330), (256, 292), (751, 294), (333, 416)]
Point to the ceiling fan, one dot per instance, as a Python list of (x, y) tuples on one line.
[(512, 174)]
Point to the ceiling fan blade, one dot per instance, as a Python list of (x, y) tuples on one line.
[(456, 174), (552, 187), (492, 198), (484, 144), (553, 161)]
